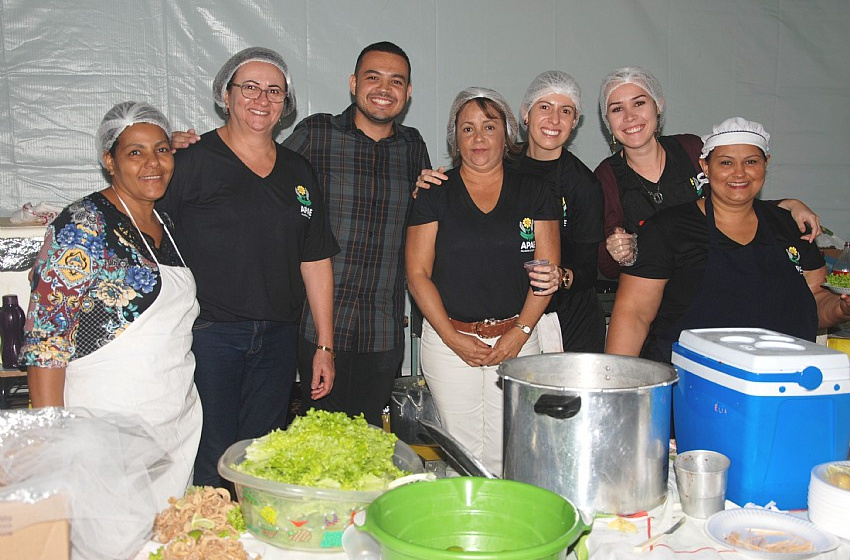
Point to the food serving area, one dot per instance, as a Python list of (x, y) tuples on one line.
[(590, 433), (590, 469), (587, 474)]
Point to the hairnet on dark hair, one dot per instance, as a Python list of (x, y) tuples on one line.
[(123, 115), (468, 95), (253, 54), (642, 78), (552, 81)]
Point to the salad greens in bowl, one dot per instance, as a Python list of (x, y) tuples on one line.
[(299, 488), (838, 283)]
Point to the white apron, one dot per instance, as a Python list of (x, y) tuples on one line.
[(149, 370)]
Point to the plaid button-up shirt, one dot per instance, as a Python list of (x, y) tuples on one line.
[(367, 190)]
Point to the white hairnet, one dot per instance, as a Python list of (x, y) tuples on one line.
[(642, 78), (553, 81), (735, 131), (253, 54), (123, 115), (468, 95)]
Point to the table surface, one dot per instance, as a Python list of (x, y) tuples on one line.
[(612, 538)]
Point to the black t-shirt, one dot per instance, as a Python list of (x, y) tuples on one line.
[(580, 203), (478, 264), (245, 236), (674, 245)]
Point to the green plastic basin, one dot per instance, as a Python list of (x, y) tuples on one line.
[(469, 518)]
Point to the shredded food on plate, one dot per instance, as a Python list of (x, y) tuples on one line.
[(208, 547), (769, 540), (202, 525)]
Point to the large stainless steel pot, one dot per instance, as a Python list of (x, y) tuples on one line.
[(594, 428)]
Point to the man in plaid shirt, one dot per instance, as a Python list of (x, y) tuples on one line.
[(367, 164)]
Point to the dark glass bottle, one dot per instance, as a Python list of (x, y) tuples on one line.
[(11, 330)]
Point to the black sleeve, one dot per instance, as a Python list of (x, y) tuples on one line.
[(583, 265)]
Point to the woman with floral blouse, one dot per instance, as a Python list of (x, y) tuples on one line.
[(109, 326)]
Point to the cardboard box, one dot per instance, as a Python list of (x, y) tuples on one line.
[(38, 531)]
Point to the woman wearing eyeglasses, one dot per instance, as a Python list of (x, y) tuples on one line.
[(251, 222)]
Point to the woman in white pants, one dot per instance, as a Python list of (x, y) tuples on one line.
[(467, 241)]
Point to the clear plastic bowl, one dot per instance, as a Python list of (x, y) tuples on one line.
[(301, 517)]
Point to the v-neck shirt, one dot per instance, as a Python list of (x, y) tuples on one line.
[(479, 256), (245, 236)]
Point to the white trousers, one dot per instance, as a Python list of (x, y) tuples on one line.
[(469, 399)]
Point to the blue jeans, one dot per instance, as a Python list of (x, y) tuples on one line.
[(244, 373)]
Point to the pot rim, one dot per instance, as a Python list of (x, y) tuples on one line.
[(564, 389)]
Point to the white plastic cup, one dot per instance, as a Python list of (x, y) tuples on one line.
[(529, 267), (701, 479)]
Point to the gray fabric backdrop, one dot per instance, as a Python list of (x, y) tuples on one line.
[(782, 62)]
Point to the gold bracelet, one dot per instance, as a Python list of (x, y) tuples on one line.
[(327, 349)]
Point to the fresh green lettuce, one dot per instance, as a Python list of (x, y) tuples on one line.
[(839, 280), (325, 450)]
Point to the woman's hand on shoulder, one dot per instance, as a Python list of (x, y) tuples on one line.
[(806, 219), (183, 139), (428, 177)]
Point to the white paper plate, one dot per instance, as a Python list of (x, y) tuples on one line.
[(836, 289), (722, 524)]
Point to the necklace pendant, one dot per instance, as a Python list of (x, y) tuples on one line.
[(657, 197)]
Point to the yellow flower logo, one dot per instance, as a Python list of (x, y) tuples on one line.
[(793, 255), (302, 195), (526, 223)]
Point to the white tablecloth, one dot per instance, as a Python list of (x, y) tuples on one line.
[(608, 540)]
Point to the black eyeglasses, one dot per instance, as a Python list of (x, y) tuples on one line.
[(253, 91)]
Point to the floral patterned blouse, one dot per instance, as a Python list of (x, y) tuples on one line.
[(92, 279)]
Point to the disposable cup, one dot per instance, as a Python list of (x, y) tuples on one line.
[(701, 479), (529, 267)]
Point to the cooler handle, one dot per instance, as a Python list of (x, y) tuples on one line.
[(810, 378), (558, 406)]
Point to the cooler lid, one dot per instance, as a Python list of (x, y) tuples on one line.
[(760, 351)]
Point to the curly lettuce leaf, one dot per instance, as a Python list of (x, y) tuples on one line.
[(839, 280), (326, 450)]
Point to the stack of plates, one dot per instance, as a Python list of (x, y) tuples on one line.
[(829, 504)]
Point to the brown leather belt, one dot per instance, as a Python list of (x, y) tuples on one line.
[(488, 328)]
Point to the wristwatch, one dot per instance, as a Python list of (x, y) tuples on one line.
[(524, 328), (566, 278)]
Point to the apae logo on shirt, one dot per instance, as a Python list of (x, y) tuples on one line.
[(794, 257), (564, 208), (699, 182), (526, 232), (303, 196)]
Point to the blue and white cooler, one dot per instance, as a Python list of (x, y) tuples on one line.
[(774, 404)]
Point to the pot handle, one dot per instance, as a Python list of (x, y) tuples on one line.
[(558, 406)]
